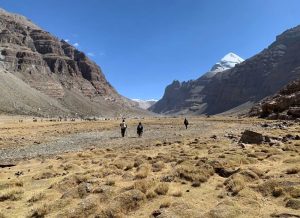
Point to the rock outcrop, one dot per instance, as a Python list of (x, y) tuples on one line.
[(248, 82), (57, 70), (283, 105)]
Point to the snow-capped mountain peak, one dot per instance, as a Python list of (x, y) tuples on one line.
[(226, 63)]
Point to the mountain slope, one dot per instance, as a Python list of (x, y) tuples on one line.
[(246, 83), (145, 104), (187, 97), (57, 70)]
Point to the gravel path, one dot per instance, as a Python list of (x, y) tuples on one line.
[(107, 138)]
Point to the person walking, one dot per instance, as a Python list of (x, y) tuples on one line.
[(140, 129), (186, 123), (123, 126)]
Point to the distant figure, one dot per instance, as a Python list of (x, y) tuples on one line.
[(186, 123), (123, 126), (140, 129)]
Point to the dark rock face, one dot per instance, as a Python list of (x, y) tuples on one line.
[(251, 81), (55, 68), (283, 105)]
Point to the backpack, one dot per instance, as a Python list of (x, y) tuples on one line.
[(123, 125)]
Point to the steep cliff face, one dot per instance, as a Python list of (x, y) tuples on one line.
[(56, 69), (250, 81)]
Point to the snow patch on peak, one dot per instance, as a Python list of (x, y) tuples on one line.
[(231, 57), (226, 63)]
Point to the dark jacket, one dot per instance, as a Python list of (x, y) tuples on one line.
[(140, 128)]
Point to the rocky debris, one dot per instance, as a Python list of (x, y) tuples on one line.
[(280, 125), (231, 136), (251, 137), (285, 105)]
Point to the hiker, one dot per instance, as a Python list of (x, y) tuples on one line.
[(123, 126), (140, 129), (186, 123)]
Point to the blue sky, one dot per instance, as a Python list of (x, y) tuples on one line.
[(143, 45)]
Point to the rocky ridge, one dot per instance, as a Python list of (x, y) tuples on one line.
[(56, 69), (248, 82)]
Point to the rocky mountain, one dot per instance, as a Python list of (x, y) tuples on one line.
[(248, 82), (283, 105), (145, 104), (40, 74), (187, 97)]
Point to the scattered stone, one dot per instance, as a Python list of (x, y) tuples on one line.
[(244, 146), (196, 183), (156, 213), (167, 178), (19, 173), (214, 137), (250, 137), (293, 203), (225, 173)]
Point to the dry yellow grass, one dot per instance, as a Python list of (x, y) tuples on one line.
[(171, 175)]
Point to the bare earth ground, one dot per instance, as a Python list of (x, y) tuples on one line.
[(84, 169)]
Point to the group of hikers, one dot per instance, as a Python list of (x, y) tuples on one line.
[(140, 128)]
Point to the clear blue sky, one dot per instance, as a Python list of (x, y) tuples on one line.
[(143, 45)]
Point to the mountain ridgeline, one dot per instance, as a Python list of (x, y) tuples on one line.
[(42, 75), (237, 88)]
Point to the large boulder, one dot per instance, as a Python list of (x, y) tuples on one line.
[(251, 137)]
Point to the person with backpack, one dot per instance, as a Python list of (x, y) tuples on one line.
[(123, 126), (186, 123), (140, 129)]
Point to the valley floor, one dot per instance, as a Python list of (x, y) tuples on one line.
[(85, 169)]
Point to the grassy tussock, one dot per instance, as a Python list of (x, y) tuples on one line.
[(11, 194), (162, 189), (36, 197)]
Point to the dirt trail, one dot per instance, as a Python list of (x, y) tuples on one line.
[(105, 138)]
